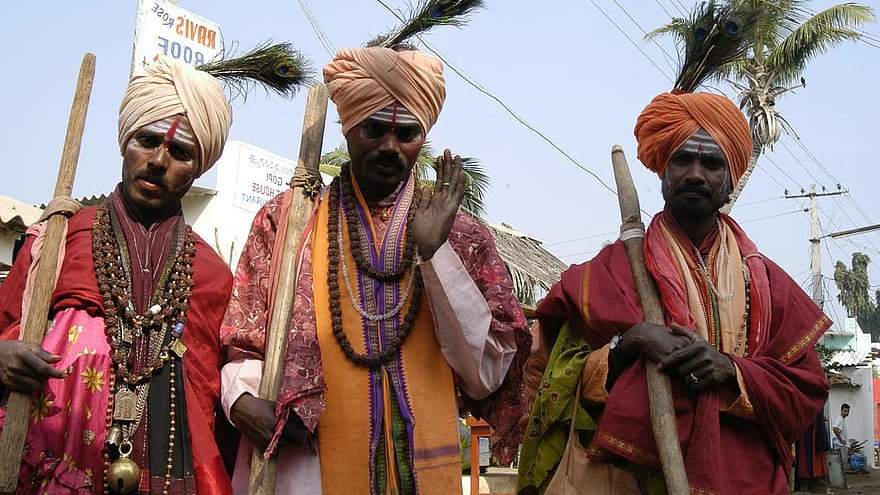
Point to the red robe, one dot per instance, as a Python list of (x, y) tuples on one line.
[(784, 380), (77, 288)]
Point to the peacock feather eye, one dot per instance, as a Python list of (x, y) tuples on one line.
[(700, 34), (731, 27)]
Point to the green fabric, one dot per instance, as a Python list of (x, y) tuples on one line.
[(549, 422), (401, 450)]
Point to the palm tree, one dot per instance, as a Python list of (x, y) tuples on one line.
[(785, 37), (476, 181)]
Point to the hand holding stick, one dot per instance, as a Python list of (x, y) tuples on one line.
[(632, 233)]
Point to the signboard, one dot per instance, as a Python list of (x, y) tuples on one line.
[(261, 176), (165, 29)]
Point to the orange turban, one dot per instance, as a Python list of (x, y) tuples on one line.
[(167, 88), (362, 81), (670, 119)]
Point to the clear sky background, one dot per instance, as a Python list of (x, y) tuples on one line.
[(578, 71)]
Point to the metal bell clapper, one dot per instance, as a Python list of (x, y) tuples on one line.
[(123, 475), (114, 435)]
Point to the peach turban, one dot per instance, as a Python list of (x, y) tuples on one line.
[(670, 119), (362, 81), (167, 88)]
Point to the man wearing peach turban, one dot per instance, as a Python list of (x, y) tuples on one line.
[(739, 332), (402, 303), (129, 371)]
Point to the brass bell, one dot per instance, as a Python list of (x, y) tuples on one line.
[(124, 475)]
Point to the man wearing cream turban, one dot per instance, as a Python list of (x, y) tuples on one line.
[(739, 332), (129, 370), (401, 303)]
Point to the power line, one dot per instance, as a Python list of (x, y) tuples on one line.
[(577, 239), (668, 14), (772, 216), (509, 110), (630, 40), (669, 60), (801, 164), (811, 156), (759, 201), (781, 170), (322, 36)]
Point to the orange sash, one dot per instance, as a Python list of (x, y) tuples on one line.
[(346, 429)]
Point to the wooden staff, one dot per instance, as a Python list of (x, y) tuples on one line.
[(262, 474), (33, 329), (632, 233)]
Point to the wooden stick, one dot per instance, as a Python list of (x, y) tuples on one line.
[(262, 474), (33, 329), (632, 232)]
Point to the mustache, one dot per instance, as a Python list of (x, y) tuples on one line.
[(387, 159), (693, 188), (157, 179)]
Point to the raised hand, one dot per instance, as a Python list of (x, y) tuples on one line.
[(436, 214)]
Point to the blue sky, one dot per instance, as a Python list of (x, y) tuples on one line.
[(577, 71)]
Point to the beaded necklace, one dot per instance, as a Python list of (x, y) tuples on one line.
[(336, 263), (169, 303)]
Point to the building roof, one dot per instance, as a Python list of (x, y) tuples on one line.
[(530, 265), (17, 216)]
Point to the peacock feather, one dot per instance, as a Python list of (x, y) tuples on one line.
[(714, 35), (428, 14), (277, 67)]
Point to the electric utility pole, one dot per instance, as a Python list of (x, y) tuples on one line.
[(815, 261)]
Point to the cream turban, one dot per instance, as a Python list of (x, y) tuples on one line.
[(362, 81), (167, 88), (670, 119)]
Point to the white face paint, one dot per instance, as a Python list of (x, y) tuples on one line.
[(182, 132), (701, 143)]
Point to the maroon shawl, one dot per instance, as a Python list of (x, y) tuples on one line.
[(78, 288), (784, 380)]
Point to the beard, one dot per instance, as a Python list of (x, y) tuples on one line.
[(693, 203)]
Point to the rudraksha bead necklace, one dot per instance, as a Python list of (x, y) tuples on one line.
[(394, 343), (123, 325)]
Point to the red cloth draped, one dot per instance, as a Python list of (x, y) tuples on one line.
[(77, 288), (784, 380)]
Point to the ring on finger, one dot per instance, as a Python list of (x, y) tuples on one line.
[(445, 184), (693, 378)]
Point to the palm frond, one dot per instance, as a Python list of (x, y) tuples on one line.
[(815, 36), (336, 158), (428, 14), (715, 35), (476, 178), (277, 67)]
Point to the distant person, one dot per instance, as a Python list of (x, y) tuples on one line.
[(840, 440), (129, 370), (811, 460)]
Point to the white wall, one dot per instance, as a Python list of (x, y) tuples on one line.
[(860, 422), (246, 178)]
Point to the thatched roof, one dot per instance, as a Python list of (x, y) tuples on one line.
[(533, 269)]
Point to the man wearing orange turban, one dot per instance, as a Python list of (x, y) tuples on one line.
[(739, 333), (402, 303), (129, 369)]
